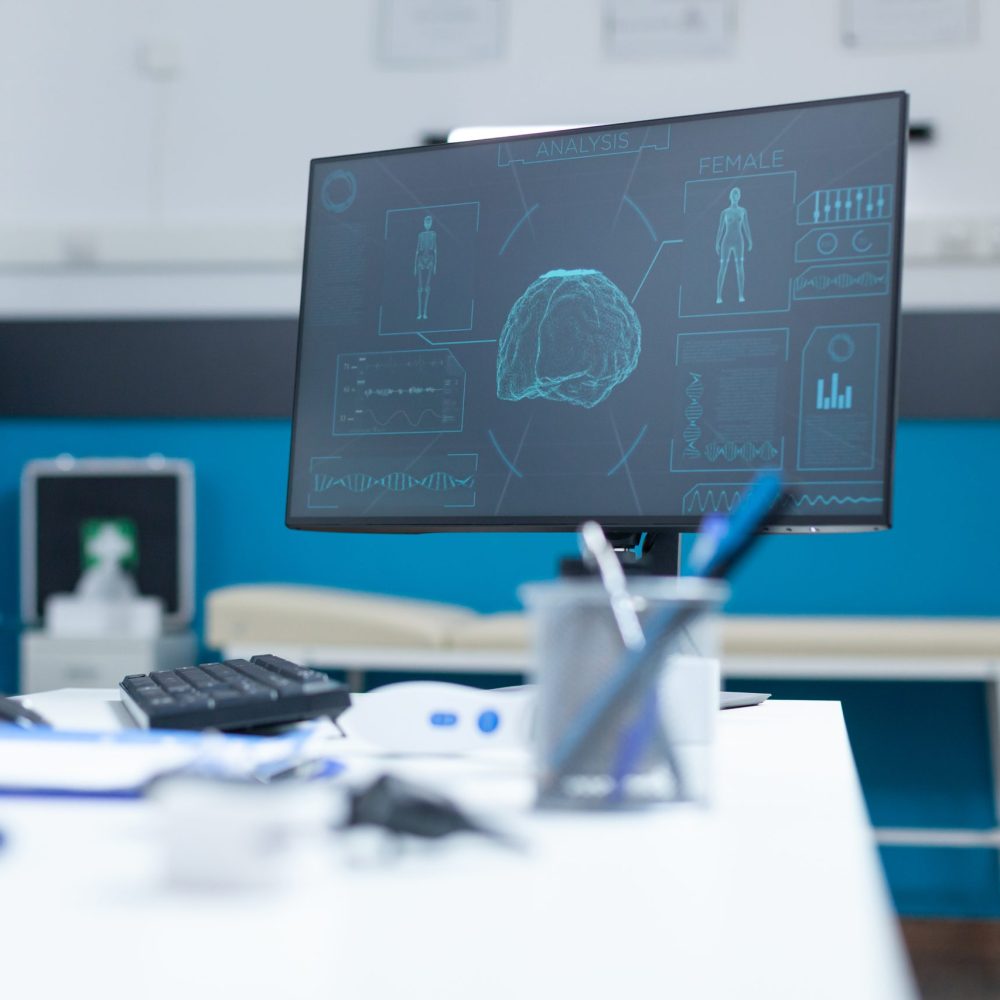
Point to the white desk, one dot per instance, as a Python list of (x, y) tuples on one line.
[(775, 892), (764, 646)]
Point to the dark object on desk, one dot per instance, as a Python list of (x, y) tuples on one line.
[(19, 715), (402, 807), (263, 691)]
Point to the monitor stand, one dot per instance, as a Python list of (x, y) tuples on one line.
[(650, 553)]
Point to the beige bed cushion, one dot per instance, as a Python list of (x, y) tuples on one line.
[(325, 616), (842, 636), (498, 631), (803, 636)]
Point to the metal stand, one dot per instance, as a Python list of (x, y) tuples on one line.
[(651, 553)]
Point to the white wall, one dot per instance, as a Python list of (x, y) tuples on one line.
[(131, 188)]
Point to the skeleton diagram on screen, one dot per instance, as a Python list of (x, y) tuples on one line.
[(425, 265)]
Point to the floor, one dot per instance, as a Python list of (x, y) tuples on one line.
[(955, 959)]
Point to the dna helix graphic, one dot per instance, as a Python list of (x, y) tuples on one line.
[(692, 414), (745, 451)]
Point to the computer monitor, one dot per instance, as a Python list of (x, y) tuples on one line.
[(625, 323)]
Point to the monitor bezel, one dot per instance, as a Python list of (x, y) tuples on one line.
[(553, 523)]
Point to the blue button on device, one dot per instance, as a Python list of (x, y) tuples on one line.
[(488, 721), (444, 719)]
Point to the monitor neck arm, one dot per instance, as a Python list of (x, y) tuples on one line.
[(652, 553)]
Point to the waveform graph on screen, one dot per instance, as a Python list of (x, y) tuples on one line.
[(386, 484), (838, 281), (399, 392), (855, 496)]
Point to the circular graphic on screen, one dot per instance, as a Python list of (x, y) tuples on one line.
[(841, 347), (339, 191), (826, 244)]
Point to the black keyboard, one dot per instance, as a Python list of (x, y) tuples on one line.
[(265, 690)]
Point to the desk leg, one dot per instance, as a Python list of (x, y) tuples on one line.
[(355, 679), (921, 837), (993, 704)]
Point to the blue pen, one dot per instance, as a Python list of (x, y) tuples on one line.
[(596, 550)]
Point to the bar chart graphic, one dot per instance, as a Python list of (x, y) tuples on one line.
[(838, 398), (838, 424)]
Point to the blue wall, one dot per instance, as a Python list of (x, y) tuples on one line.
[(939, 559)]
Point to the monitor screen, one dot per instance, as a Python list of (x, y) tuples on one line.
[(626, 323)]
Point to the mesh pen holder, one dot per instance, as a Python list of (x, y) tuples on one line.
[(653, 740)]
